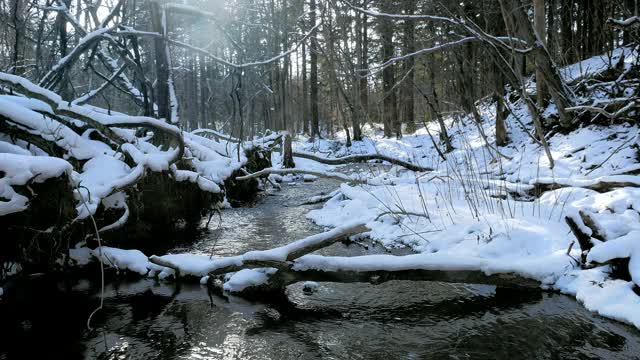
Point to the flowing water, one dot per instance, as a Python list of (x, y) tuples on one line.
[(147, 319)]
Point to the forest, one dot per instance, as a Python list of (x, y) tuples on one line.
[(275, 179)]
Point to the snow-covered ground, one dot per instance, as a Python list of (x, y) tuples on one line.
[(477, 210)]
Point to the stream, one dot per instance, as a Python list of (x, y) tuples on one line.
[(149, 319)]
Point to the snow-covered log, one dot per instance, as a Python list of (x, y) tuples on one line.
[(272, 257), (323, 174), (600, 184), (361, 158)]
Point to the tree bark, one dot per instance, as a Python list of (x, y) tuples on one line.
[(388, 76), (566, 32), (161, 63), (539, 27), (408, 99), (313, 58), (287, 153), (364, 63), (559, 91)]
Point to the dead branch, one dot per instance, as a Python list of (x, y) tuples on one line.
[(361, 158), (328, 175), (279, 256)]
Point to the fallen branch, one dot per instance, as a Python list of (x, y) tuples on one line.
[(328, 175), (162, 262), (321, 198), (361, 158), (628, 106), (277, 257), (600, 184)]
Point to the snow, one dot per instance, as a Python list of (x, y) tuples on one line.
[(246, 278), (189, 264), (614, 299), (132, 260), (17, 170), (598, 64)]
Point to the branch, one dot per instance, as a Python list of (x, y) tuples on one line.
[(188, 10), (629, 106), (362, 158), (282, 254), (625, 24), (91, 94), (267, 171)]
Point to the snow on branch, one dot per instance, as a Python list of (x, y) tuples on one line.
[(19, 170), (362, 158), (93, 93), (430, 50), (216, 134), (626, 24), (323, 174), (272, 257)]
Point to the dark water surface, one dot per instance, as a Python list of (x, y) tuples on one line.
[(147, 319)]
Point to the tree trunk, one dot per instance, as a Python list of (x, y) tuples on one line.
[(161, 62), (559, 91), (388, 77), (17, 50), (364, 63), (358, 109), (551, 33), (313, 48), (539, 26), (566, 31), (287, 153), (204, 94), (435, 108), (305, 92), (408, 99)]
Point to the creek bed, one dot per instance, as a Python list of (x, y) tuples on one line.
[(148, 319)]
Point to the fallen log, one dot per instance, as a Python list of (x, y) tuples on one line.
[(600, 184), (361, 158), (278, 257), (323, 174), (294, 263)]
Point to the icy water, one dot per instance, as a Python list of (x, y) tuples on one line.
[(146, 319)]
